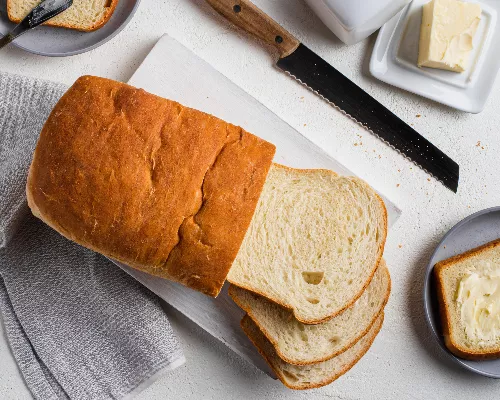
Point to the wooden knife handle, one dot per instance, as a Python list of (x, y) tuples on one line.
[(246, 15)]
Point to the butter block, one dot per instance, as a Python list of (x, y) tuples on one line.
[(446, 34)]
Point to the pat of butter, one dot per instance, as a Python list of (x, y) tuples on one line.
[(446, 35), (478, 300)]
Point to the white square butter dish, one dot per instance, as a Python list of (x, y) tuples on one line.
[(394, 60)]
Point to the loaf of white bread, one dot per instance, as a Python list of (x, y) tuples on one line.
[(183, 195), (160, 187), (83, 15)]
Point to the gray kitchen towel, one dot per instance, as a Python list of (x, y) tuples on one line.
[(78, 326)]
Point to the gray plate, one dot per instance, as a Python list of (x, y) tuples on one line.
[(60, 42), (473, 231)]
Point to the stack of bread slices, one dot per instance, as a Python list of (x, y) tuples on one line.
[(310, 274)]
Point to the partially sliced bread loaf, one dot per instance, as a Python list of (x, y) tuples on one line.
[(314, 375), (83, 15), (301, 344), (468, 287), (314, 243), (146, 181)]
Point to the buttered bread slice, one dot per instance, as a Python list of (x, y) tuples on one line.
[(83, 15), (300, 344), (314, 243), (468, 288)]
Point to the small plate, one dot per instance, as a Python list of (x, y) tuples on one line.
[(60, 42), (394, 60), (475, 230)]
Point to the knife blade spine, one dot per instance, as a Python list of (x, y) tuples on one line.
[(364, 126)]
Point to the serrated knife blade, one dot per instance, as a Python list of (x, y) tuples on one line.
[(326, 81)]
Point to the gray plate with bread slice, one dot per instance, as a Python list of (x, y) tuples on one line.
[(58, 42), (461, 292)]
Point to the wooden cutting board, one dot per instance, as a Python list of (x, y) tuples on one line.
[(173, 71)]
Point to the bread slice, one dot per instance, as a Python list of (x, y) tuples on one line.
[(314, 375), (314, 243), (468, 289), (301, 344), (83, 15), (146, 181)]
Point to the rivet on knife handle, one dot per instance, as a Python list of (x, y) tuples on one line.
[(247, 16)]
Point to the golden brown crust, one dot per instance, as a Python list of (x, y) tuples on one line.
[(160, 187), (109, 12), (445, 312), (358, 295), (245, 307), (246, 328)]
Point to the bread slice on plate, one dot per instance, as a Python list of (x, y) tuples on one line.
[(314, 375), (301, 344), (468, 290), (314, 243), (83, 15)]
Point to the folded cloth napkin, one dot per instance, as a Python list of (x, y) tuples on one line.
[(78, 326)]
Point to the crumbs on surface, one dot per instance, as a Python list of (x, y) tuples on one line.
[(418, 115)]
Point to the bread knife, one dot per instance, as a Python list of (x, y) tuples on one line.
[(311, 70), (41, 13)]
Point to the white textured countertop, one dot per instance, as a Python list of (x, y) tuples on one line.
[(404, 362)]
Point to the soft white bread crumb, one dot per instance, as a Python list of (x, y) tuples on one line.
[(301, 344), (314, 242), (314, 375)]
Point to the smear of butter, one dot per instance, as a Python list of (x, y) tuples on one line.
[(478, 298)]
